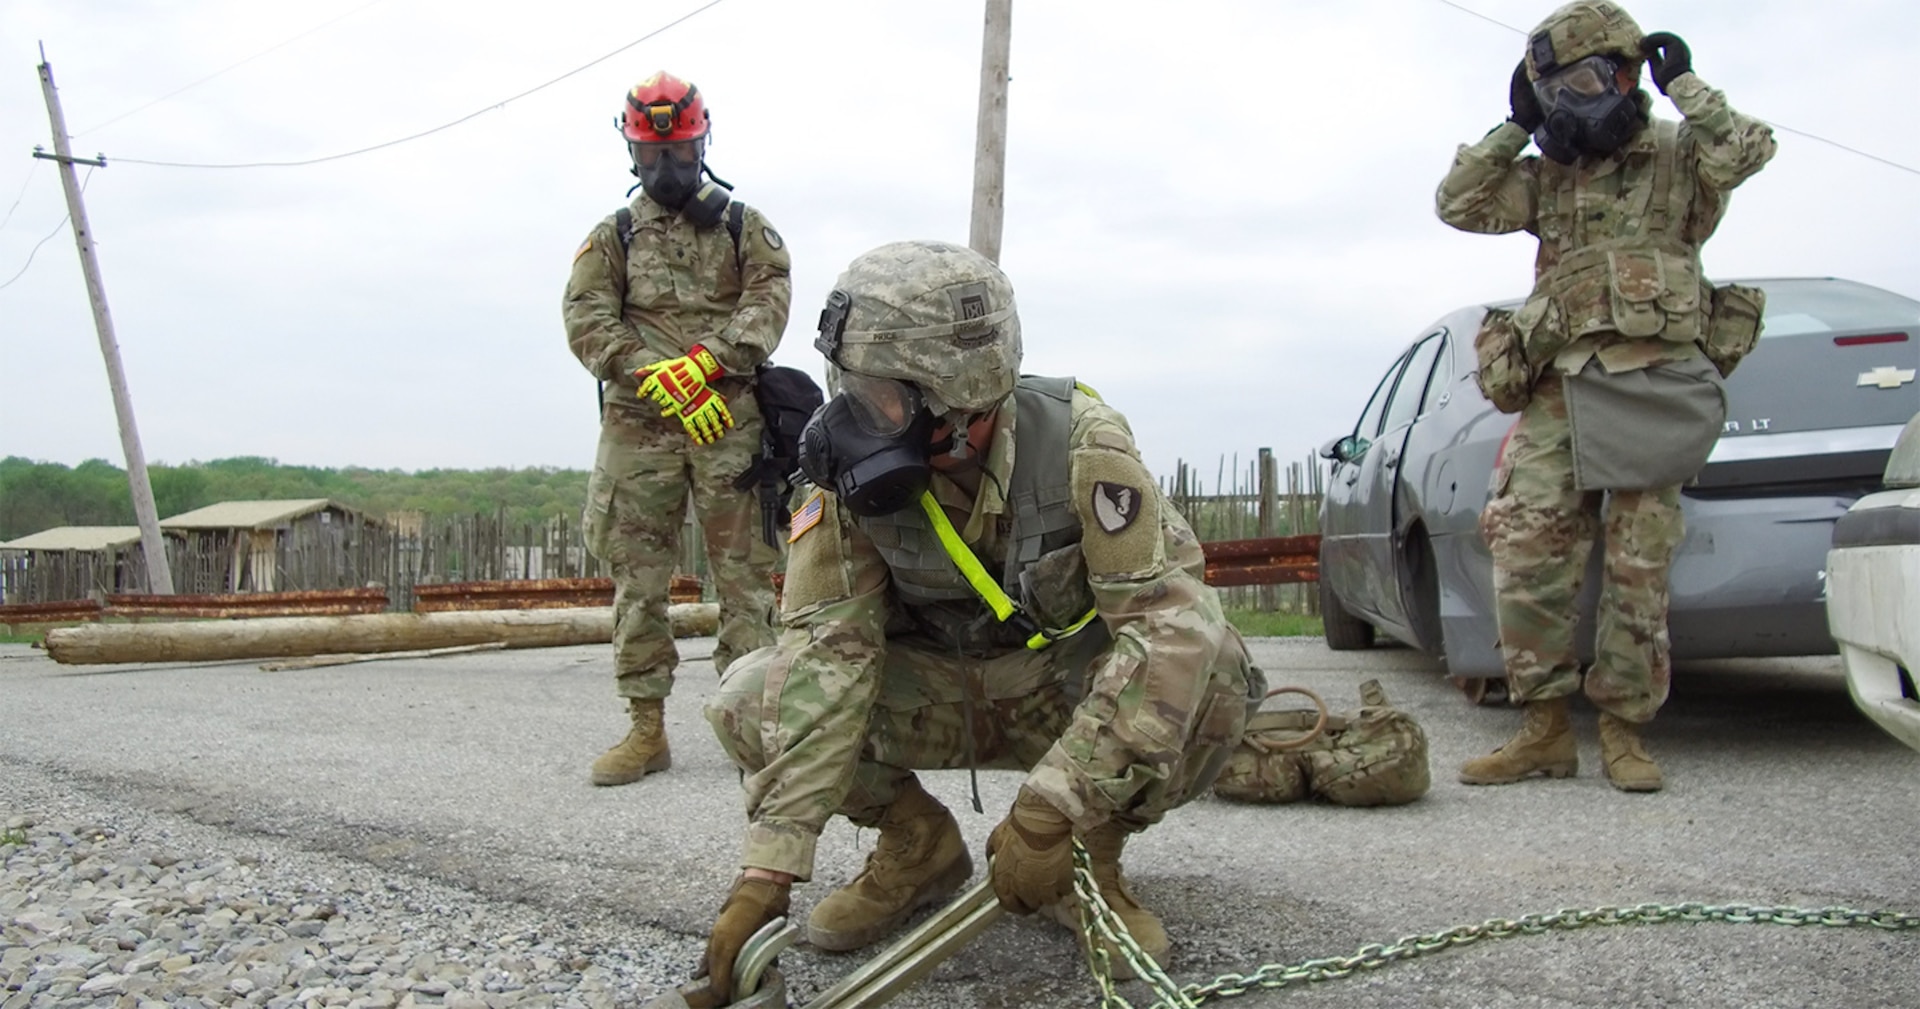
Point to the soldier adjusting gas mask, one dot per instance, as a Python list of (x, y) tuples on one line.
[(1586, 112)]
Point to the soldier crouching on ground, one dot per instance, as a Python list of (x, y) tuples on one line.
[(672, 303), (984, 576), (1613, 364)]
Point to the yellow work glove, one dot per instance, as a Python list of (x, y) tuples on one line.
[(752, 904), (680, 388), (1030, 855)]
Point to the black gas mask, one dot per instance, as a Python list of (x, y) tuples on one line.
[(1586, 112), (670, 173), (872, 442)]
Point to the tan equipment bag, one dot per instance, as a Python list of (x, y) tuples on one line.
[(1376, 756)]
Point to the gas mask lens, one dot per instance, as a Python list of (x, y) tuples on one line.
[(685, 152), (883, 407), (1586, 78)]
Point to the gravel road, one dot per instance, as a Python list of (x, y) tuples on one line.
[(421, 832)]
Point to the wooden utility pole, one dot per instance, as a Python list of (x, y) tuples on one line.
[(159, 577), (990, 133)]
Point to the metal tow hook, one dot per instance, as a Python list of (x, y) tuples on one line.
[(758, 986), (916, 954)]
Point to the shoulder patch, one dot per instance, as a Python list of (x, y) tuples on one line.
[(773, 237), (808, 516), (1115, 506), (582, 250)]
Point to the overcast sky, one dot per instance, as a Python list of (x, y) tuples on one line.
[(1219, 214)]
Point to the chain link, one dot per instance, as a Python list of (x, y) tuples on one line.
[(1101, 927)]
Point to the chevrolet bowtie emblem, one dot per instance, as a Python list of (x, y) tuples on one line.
[(1887, 378)]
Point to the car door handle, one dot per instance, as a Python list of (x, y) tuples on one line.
[(1392, 460), (1353, 475)]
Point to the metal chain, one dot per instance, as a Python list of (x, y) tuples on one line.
[(1100, 926)]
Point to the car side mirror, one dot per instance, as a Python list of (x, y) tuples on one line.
[(1339, 449)]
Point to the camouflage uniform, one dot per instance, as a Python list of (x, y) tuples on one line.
[(1119, 723), (1606, 225), (676, 285)]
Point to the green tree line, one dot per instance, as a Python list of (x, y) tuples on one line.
[(43, 495)]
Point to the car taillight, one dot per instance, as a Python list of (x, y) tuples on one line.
[(1855, 341)]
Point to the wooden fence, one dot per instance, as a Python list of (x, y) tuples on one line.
[(1255, 502)]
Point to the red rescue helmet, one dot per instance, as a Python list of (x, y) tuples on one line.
[(663, 109)]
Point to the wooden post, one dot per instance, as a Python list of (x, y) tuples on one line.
[(1269, 515), (278, 637), (159, 576), (990, 132)]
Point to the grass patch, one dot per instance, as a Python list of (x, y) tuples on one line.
[(9, 636), (15, 836), (1265, 624)]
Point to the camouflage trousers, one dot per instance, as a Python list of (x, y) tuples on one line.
[(644, 471), (1541, 531), (927, 717)]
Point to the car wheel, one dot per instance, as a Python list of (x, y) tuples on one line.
[(1423, 593), (1345, 632)]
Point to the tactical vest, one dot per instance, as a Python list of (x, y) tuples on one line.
[(1616, 253), (1039, 499)]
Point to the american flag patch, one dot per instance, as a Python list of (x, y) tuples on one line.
[(808, 516)]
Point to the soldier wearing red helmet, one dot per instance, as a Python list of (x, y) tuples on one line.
[(673, 302)]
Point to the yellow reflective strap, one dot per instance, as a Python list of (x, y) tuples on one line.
[(983, 585), (1045, 638), (963, 558), (1088, 390)]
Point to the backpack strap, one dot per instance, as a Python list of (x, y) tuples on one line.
[(623, 227), (736, 219)]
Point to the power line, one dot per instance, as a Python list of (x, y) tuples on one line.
[(1778, 126), (444, 126), (235, 66), (56, 230), (23, 195)]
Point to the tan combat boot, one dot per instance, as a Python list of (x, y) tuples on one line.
[(1104, 845), (643, 752), (1544, 745), (1629, 768), (921, 859)]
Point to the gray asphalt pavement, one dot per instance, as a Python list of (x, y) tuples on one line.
[(470, 771)]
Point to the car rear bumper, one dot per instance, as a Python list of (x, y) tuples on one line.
[(1750, 578), (1874, 609), (1751, 631)]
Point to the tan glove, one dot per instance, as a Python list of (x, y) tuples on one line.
[(1030, 854), (753, 903)]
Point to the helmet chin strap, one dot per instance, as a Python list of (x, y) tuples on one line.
[(957, 446)]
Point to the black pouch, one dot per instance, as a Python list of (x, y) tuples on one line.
[(787, 398)]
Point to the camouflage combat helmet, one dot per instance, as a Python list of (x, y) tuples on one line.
[(1580, 29), (938, 315)]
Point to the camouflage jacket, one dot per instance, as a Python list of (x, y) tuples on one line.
[(1169, 639), (672, 287), (1617, 229)]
